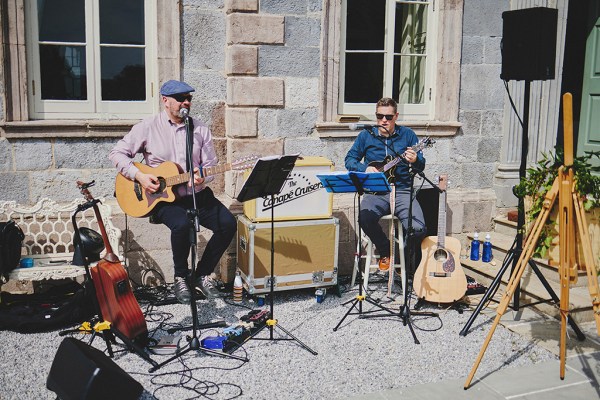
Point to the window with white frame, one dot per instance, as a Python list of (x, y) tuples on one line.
[(91, 59), (387, 50)]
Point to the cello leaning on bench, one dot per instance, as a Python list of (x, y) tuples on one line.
[(117, 303)]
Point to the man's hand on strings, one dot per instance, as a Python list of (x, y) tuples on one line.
[(148, 181)]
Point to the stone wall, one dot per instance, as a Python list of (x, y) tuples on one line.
[(256, 66)]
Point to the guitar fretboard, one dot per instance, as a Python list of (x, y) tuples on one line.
[(442, 221), (441, 241), (206, 171)]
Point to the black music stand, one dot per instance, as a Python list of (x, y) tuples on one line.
[(267, 179), (357, 182)]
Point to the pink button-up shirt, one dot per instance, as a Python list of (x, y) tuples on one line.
[(159, 139)]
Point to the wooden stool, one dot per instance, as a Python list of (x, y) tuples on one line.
[(372, 260)]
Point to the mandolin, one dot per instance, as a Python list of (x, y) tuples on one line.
[(387, 165), (440, 277)]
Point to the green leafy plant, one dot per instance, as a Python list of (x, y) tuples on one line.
[(539, 180)]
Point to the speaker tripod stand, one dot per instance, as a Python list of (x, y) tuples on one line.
[(570, 210)]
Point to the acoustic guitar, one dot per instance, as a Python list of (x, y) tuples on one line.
[(440, 277), (387, 165), (117, 303), (135, 201)]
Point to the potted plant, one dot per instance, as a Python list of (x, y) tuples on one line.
[(538, 181)]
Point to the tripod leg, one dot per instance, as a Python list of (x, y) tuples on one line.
[(588, 257), (542, 278), (491, 290), (356, 300), (296, 339), (517, 273)]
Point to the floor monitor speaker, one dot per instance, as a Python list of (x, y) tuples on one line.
[(529, 44), (80, 371)]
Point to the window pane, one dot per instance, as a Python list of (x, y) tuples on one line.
[(365, 25), (122, 22), (364, 78), (61, 20), (123, 73), (409, 79), (63, 72), (411, 28)]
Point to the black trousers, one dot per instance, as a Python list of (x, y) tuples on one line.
[(213, 215)]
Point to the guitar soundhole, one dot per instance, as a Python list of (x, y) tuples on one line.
[(440, 255), (162, 184)]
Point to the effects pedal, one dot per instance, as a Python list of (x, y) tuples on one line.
[(168, 344)]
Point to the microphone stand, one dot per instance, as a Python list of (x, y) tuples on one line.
[(193, 341)]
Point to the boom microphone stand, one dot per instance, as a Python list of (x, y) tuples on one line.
[(194, 341), (405, 312)]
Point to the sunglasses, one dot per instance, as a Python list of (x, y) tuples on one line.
[(182, 97), (387, 116)]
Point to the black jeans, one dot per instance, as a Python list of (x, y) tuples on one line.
[(212, 214)]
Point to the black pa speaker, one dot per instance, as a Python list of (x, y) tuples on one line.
[(529, 44), (80, 371)]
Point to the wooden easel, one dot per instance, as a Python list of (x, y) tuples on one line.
[(568, 200)]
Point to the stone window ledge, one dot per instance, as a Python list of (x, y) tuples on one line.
[(65, 128), (421, 128)]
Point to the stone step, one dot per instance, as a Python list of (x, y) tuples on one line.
[(503, 226), (532, 289)]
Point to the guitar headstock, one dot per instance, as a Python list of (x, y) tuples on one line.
[(244, 163), (83, 188), (443, 181), (424, 143)]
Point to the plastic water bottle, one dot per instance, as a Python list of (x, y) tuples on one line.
[(486, 255), (475, 247), (238, 287)]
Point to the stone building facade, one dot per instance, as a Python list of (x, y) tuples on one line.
[(266, 77)]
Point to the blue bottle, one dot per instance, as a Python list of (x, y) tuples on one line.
[(486, 255), (475, 247)]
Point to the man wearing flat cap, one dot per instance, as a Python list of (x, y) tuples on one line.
[(161, 138)]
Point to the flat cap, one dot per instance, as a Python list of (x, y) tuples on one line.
[(175, 87)]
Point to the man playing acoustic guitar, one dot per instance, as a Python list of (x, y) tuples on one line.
[(162, 138), (370, 151)]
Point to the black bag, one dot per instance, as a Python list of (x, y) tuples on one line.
[(59, 307), (11, 241)]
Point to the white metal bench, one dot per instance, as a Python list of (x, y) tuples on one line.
[(49, 236)]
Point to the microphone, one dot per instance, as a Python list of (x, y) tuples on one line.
[(360, 127), (183, 112)]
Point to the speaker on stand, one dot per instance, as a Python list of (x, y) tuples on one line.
[(529, 44), (80, 371)]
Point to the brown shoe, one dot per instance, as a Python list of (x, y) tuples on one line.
[(384, 263)]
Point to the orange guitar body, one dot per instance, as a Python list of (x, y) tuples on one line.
[(117, 303)]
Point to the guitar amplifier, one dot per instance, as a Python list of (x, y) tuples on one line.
[(302, 195), (306, 254)]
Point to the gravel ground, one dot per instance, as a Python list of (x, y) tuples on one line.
[(362, 356)]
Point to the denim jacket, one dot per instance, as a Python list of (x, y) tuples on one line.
[(369, 147)]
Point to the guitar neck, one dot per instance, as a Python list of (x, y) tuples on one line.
[(442, 221), (110, 255), (206, 171)]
